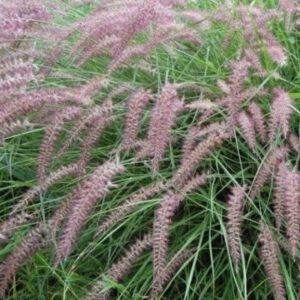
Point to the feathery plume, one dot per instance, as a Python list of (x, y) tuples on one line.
[(118, 90), (162, 120), (281, 112), (161, 228), (274, 158), (247, 127), (9, 226), (163, 220), (235, 91), (196, 17), (175, 263), (28, 102), (279, 193), (121, 211), (196, 134), (114, 27), (189, 142), (51, 136), (121, 268), (37, 238), (292, 210), (90, 89), (253, 22), (85, 198), (13, 127), (294, 142), (136, 106), (53, 178), (204, 148), (194, 183), (258, 119), (86, 121), (277, 53), (253, 58), (81, 2), (235, 207), (269, 252), (96, 49), (15, 73), (92, 137), (289, 6), (201, 105), (223, 86), (17, 16), (14, 63), (34, 240)]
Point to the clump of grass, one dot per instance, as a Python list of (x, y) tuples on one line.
[(158, 91)]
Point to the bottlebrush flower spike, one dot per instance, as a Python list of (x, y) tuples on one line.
[(196, 134), (254, 59), (163, 220), (136, 106), (13, 127), (37, 238), (289, 6), (136, 21), (279, 197), (86, 121), (247, 127), (223, 86), (269, 252), (277, 53), (14, 62), (161, 228), (204, 148), (85, 198), (51, 136), (92, 137), (194, 183), (197, 16), (281, 111), (9, 226), (172, 267), (235, 91), (130, 204), (17, 16), (15, 72), (27, 102), (105, 26), (164, 33), (268, 166), (239, 72), (53, 178), (258, 119), (235, 207), (96, 49), (294, 142), (162, 120), (253, 23), (292, 207), (121, 268), (189, 142), (33, 241), (90, 89), (118, 90), (201, 105), (81, 2)]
